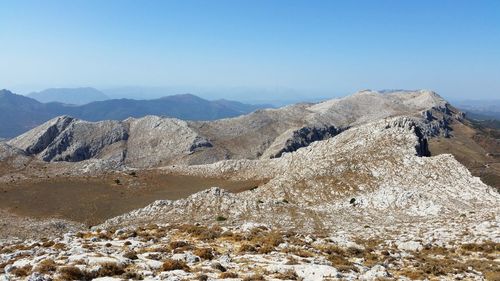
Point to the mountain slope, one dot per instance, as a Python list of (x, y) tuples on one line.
[(263, 134), (20, 114), (352, 179), (69, 95), (187, 107)]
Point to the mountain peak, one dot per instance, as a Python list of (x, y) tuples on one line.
[(6, 92), (186, 96)]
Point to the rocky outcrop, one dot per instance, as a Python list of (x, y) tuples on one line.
[(305, 136), (156, 141), (358, 176), (68, 139), (38, 139)]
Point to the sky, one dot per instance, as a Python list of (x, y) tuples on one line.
[(265, 49)]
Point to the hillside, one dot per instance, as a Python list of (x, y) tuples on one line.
[(20, 114), (156, 141)]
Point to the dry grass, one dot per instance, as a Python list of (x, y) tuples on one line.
[(287, 275), (59, 246), (21, 271), (247, 248), (46, 266), (132, 274), (254, 277), (3, 265), (130, 255), (201, 232), (48, 244), (178, 244), (105, 270), (439, 261), (262, 242), (226, 275), (292, 261), (204, 253), (110, 269), (72, 273), (341, 263), (171, 264), (485, 247), (271, 239)]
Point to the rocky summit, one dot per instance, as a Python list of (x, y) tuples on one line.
[(345, 189)]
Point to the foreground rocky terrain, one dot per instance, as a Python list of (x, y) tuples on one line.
[(255, 252), (346, 189)]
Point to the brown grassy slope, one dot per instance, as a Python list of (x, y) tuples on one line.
[(475, 146), (93, 200)]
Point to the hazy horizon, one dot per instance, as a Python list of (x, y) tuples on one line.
[(253, 50)]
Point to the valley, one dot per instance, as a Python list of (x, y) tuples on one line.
[(93, 200)]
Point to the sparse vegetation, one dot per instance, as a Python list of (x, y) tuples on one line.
[(130, 255), (226, 275), (21, 271), (220, 218), (171, 264), (204, 253), (287, 275), (46, 266), (110, 269), (72, 273), (254, 277)]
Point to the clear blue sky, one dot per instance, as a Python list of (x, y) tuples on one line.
[(323, 48)]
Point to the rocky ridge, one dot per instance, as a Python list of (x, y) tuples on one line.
[(359, 175), (154, 141)]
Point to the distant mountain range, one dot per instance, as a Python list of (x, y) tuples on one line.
[(19, 114), (77, 96), (481, 109)]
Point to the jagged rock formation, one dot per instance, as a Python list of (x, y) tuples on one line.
[(68, 139), (357, 177), (154, 141)]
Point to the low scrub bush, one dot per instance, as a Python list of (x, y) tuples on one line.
[(171, 264)]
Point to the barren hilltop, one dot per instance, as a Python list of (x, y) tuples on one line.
[(373, 186)]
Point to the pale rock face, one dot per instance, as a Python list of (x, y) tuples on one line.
[(377, 271), (356, 177), (309, 272), (38, 139), (68, 139), (409, 246), (157, 141)]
